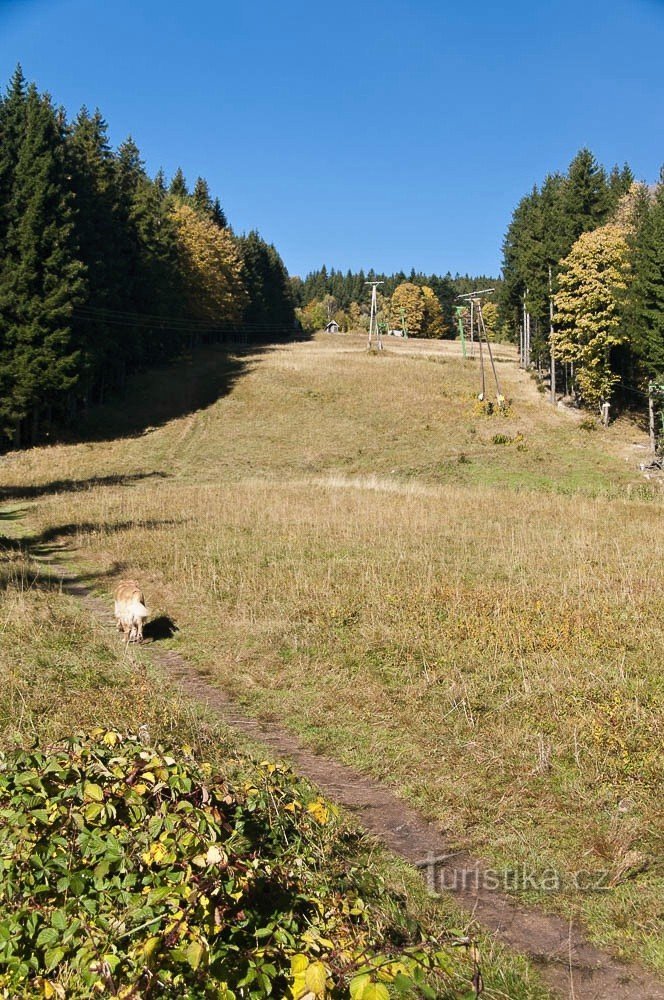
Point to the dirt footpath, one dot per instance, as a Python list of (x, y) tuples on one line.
[(570, 965)]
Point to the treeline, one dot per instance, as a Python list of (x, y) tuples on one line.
[(104, 269), (345, 297), (583, 270)]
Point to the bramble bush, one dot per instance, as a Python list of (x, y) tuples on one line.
[(129, 871)]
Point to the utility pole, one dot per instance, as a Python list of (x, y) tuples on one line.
[(374, 329), (476, 312), (526, 333), (553, 355), (651, 418), (462, 336)]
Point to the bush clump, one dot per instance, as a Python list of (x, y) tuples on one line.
[(129, 871)]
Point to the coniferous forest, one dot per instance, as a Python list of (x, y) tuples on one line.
[(104, 269), (583, 267), (332, 294)]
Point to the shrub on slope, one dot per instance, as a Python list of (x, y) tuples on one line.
[(129, 871)]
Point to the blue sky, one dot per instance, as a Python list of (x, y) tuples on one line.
[(391, 135)]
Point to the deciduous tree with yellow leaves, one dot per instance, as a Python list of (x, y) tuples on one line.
[(418, 307), (212, 265), (588, 320)]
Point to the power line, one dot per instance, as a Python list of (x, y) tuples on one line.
[(119, 317)]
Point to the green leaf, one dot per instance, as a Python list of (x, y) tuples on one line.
[(195, 953), (93, 811), (47, 936), (402, 984), (357, 986), (59, 920), (92, 792), (53, 957)]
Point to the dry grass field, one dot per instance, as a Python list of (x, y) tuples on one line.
[(468, 607)]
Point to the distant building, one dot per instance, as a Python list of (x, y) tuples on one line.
[(332, 327)]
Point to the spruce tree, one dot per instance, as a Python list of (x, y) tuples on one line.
[(619, 183), (41, 277), (585, 197), (159, 289), (178, 186), (160, 182), (647, 297), (201, 199), (12, 129), (104, 240), (129, 166), (268, 286), (218, 215)]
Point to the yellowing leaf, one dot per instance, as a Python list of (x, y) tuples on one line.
[(357, 985), (315, 978), (155, 854), (93, 810), (374, 991), (92, 792), (51, 990), (298, 964), (151, 946), (195, 953), (319, 811)]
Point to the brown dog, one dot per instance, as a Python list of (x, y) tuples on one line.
[(130, 610)]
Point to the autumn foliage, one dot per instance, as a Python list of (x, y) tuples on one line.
[(132, 871), (588, 324), (211, 264)]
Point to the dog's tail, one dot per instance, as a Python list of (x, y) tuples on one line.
[(130, 609)]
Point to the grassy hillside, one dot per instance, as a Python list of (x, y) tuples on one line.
[(466, 606), (62, 674)]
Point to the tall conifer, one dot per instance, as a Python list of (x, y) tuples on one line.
[(647, 319), (218, 215), (178, 187), (201, 199), (41, 280)]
